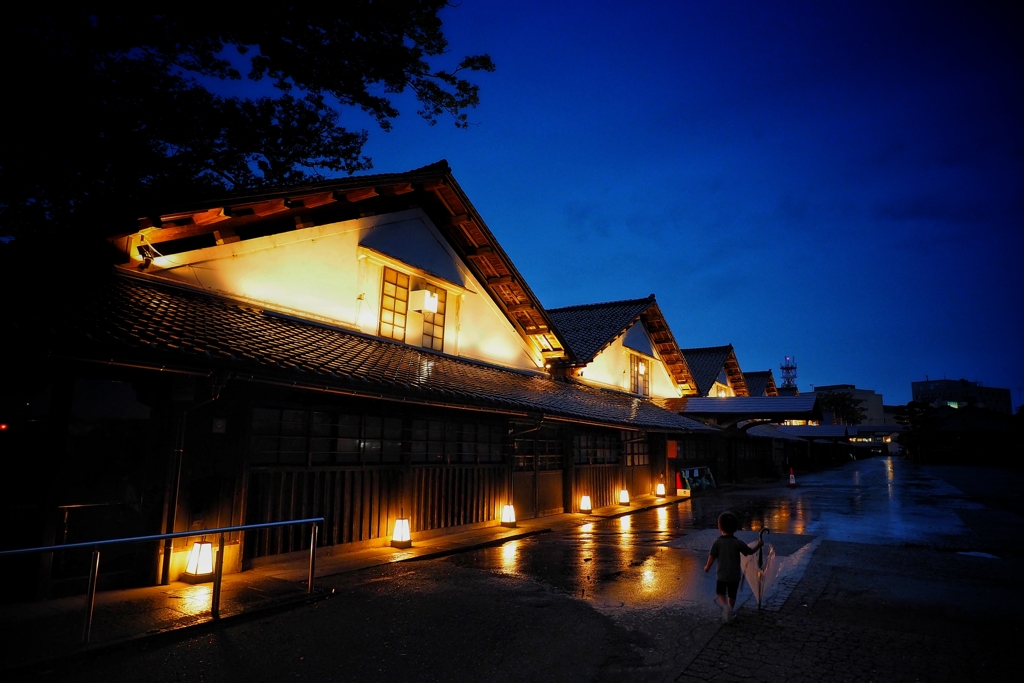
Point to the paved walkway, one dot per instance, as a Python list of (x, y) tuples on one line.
[(37, 632)]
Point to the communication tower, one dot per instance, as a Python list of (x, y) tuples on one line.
[(788, 368)]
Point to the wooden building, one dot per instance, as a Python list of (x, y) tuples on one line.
[(761, 383), (716, 371), (359, 349)]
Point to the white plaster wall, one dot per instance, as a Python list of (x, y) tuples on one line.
[(610, 368), (318, 273)]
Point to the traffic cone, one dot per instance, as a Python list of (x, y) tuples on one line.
[(792, 478)]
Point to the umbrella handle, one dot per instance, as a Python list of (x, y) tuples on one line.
[(760, 551)]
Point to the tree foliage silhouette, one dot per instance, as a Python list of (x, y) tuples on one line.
[(842, 408), (116, 108)]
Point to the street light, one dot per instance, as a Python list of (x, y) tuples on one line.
[(585, 505), (660, 491), (623, 497)]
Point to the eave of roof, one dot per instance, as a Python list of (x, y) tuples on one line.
[(136, 321), (589, 329), (459, 221), (778, 407)]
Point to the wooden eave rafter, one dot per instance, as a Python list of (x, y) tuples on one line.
[(492, 267), (465, 229), (735, 375), (181, 224), (660, 333)]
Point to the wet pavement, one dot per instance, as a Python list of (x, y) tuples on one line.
[(890, 572)]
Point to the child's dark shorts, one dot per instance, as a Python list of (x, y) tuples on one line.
[(727, 587)]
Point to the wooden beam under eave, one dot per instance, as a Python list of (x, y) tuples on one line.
[(177, 232), (266, 208), (359, 195), (460, 219), (394, 190), (311, 201), (226, 235), (500, 280), (515, 308), (479, 251), (432, 185)]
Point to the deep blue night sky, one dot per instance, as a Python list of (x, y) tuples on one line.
[(842, 183)]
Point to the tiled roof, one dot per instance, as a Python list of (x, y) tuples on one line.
[(780, 407), (758, 382), (819, 431), (706, 364), (130, 319), (772, 432), (589, 328)]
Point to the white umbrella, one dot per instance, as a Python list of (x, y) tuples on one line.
[(760, 568)]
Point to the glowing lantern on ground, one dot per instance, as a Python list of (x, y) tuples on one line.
[(660, 491), (508, 516), (401, 538), (585, 505), (623, 497), (199, 568)]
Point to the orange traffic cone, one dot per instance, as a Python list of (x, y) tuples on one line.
[(792, 478)]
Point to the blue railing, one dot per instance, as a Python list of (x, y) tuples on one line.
[(94, 563)]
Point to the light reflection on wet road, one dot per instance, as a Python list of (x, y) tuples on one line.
[(655, 558)]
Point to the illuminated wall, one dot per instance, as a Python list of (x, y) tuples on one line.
[(332, 273), (610, 368)]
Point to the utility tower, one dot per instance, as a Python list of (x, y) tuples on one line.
[(788, 368)]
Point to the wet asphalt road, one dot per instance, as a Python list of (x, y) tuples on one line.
[(619, 599)]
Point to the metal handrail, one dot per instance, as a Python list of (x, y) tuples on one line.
[(94, 563)]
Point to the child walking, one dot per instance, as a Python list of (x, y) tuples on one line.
[(727, 549)]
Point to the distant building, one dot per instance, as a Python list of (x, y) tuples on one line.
[(871, 402), (957, 393)]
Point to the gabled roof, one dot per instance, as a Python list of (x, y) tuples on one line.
[(142, 323), (706, 364), (589, 329), (242, 215), (761, 383)]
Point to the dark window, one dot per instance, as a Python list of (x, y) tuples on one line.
[(634, 449), (596, 448), (301, 437), (450, 441), (543, 449)]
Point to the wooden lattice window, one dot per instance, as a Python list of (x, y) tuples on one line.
[(394, 304), (433, 323), (634, 449), (639, 375), (596, 448)]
